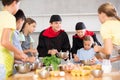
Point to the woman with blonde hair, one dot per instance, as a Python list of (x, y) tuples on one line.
[(110, 32)]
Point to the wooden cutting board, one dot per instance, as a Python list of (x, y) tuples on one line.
[(28, 76)]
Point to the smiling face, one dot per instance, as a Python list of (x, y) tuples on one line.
[(80, 33), (56, 26)]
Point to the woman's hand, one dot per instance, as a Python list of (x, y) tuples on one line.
[(115, 59), (52, 51), (97, 48)]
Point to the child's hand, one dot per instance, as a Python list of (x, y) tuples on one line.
[(93, 60), (76, 58), (20, 56), (30, 59), (34, 51)]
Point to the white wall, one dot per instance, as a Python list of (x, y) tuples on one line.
[(69, 21), (71, 12), (37, 7), (1, 6)]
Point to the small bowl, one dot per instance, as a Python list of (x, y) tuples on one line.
[(97, 73), (63, 55), (68, 67), (40, 65), (86, 62), (43, 74), (23, 67), (34, 65), (61, 67)]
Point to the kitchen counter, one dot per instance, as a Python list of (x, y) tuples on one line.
[(68, 76)]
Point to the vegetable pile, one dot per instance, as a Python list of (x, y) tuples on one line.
[(51, 60)]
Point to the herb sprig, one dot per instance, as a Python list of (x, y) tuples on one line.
[(51, 60)]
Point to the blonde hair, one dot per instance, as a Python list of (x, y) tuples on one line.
[(109, 10)]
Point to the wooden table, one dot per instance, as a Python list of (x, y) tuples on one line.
[(68, 76)]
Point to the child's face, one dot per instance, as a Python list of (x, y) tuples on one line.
[(19, 24), (87, 45), (56, 26), (80, 33), (31, 27)]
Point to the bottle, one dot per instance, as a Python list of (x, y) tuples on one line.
[(106, 66), (2, 72)]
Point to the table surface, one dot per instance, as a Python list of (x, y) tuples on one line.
[(68, 76), (114, 75)]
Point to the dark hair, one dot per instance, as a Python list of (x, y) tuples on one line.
[(20, 15), (55, 18), (8, 2), (109, 10), (80, 26), (29, 21)]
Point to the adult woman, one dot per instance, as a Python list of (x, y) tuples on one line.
[(81, 32), (53, 39), (109, 31)]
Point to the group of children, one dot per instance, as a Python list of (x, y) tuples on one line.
[(21, 38), (16, 42)]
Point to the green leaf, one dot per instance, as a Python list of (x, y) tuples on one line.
[(51, 60)]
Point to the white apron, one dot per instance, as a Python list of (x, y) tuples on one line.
[(115, 53)]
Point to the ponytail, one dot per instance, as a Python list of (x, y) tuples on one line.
[(109, 10), (118, 18)]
